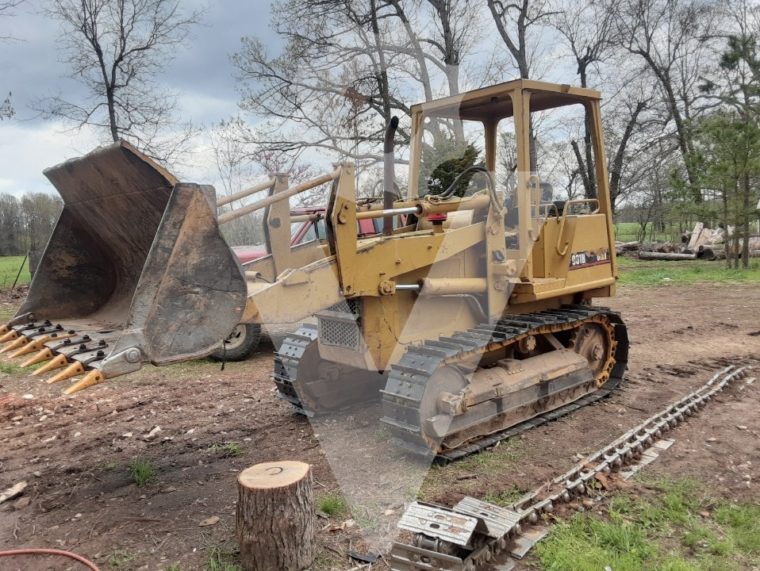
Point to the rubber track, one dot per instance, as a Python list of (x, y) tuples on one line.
[(408, 379)]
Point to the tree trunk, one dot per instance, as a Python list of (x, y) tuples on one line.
[(275, 517), (666, 256), (746, 191)]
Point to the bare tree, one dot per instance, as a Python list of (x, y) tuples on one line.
[(670, 37), (240, 166), (728, 138), (6, 106), (117, 49), (348, 67), (27, 222), (6, 7), (514, 20), (588, 31)]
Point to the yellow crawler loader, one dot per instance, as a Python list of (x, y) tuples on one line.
[(469, 313)]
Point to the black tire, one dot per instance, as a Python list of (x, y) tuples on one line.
[(240, 344)]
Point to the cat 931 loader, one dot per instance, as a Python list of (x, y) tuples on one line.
[(467, 313)]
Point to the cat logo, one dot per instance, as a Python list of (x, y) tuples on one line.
[(581, 260)]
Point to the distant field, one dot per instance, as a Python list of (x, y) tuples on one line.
[(626, 231), (9, 266), (658, 272), (629, 232)]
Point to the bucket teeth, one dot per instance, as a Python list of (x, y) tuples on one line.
[(4, 329), (72, 370), (20, 342), (94, 377), (8, 336), (43, 355), (57, 363), (39, 343), (31, 347)]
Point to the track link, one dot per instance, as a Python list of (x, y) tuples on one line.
[(286, 361), (408, 379)]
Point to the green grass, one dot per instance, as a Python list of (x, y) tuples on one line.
[(9, 266), (227, 450), (11, 369), (629, 232), (493, 462), (664, 531), (141, 471), (659, 272), (121, 559), (504, 498), (332, 504), (6, 314), (221, 558)]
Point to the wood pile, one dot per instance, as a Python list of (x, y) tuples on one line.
[(700, 244)]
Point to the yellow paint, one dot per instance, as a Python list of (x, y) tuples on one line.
[(91, 379), (72, 370)]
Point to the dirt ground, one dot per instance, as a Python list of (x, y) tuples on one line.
[(74, 451)]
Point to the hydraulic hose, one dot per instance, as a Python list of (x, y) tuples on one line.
[(54, 552)]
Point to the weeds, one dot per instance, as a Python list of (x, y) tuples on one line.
[(120, 559), (221, 558), (504, 498), (11, 369), (106, 465), (227, 450), (441, 479), (141, 471), (332, 504)]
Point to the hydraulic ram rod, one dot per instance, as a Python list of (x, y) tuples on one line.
[(264, 202), (247, 192)]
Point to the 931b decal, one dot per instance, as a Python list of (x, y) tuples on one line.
[(579, 260)]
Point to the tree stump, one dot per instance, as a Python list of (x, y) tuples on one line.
[(275, 517)]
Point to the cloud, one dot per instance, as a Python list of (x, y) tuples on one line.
[(31, 67), (26, 149)]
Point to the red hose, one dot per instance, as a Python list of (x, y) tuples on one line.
[(58, 552)]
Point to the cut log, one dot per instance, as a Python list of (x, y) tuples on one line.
[(275, 517), (697, 239), (719, 253), (666, 256), (707, 253)]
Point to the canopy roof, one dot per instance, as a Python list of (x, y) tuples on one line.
[(495, 102)]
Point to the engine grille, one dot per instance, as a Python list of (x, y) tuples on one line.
[(339, 326)]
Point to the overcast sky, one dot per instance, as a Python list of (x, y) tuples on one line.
[(31, 67)]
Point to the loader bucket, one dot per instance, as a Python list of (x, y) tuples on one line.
[(135, 271)]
